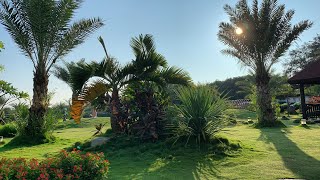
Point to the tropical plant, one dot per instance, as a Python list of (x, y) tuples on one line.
[(64, 73), (151, 75), (43, 32), (200, 114), (258, 37), (148, 66)]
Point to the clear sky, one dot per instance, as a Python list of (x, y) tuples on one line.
[(185, 32)]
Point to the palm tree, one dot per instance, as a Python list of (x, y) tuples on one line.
[(258, 37), (145, 67), (42, 31), (68, 74)]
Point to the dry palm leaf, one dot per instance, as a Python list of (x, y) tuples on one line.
[(88, 94)]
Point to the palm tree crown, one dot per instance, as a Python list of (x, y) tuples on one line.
[(267, 33), (258, 37), (42, 30)]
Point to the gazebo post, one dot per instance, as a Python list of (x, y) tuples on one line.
[(303, 102)]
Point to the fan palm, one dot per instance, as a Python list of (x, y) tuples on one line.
[(68, 73), (145, 67), (42, 31), (258, 37)]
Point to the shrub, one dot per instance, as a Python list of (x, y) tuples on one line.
[(200, 114), (67, 165), (8, 130), (296, 121), (22, 115), (283, 107), (297, 105)]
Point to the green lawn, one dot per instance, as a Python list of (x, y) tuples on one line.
[(67, 134), (271, 153)]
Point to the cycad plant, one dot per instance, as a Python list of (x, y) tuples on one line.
[(200, 114), (43, 32), (258, 37)]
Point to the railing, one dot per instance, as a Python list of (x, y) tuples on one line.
[(240, 103), (313, 110)]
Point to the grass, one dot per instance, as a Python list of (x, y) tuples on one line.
[(66, 133), (242, 114), (269, 153)]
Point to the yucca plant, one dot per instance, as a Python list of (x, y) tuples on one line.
[(200, 114)]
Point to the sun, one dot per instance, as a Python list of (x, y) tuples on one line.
[(239, 31)]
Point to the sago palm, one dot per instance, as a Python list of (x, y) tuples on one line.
[(258, 37), (43, 32)]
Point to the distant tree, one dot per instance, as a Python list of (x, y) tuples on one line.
[(43, 32), (230, 88), (258, 37), (300, 57), (8, 95), (279, 86)]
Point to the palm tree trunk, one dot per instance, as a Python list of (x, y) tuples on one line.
[(115, 111), (38, 109), (266, 115)]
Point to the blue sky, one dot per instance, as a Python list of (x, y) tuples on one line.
[(185, 32)]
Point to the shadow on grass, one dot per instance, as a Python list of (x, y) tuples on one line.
[(84, 123), (294, 158), (22, 142), (160, 160)]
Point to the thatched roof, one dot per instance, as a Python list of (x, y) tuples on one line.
[(309, 75)]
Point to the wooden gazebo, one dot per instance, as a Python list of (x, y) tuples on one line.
[(308, 76)]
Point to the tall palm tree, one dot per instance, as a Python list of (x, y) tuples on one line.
[(145, 67), (43, 32), (258, 37)]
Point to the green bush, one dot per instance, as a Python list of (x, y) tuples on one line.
[(283, 107), (296, 121), (8, 130), (67, 165), (200, 114), (297, 105), (22, 115)]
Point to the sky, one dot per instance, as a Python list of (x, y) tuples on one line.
[(185, 32)]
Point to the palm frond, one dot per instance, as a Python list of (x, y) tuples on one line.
[(87, 95), (267, 33)]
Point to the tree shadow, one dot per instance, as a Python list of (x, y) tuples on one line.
[(294, 158), (23, 141), (161, 161)]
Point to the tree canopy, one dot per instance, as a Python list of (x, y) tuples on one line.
[(303, 55)]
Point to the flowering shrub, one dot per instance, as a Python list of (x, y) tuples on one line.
[(67, 165)]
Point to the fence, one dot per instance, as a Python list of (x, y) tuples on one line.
[(240, 103)]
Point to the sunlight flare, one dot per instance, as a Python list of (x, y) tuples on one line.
[(239, 31)]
